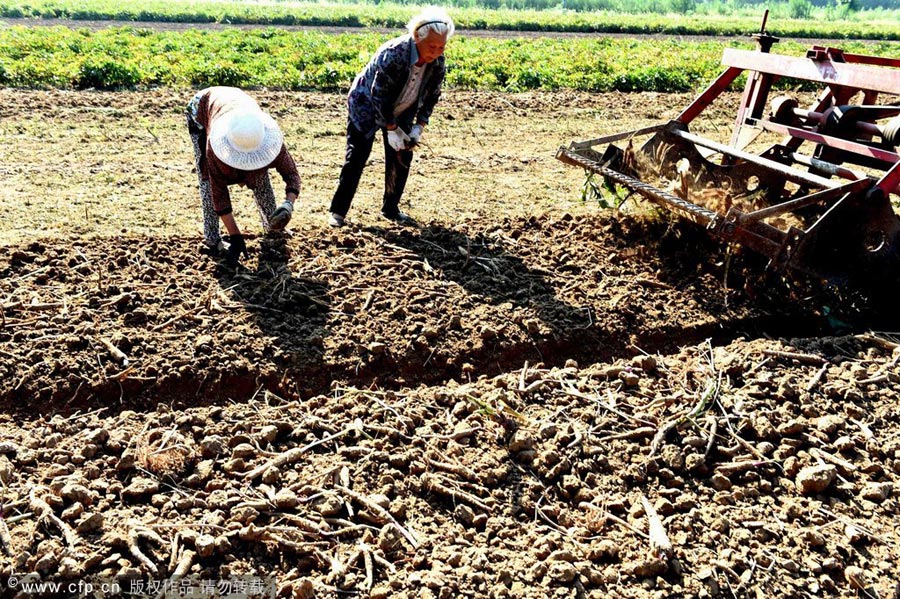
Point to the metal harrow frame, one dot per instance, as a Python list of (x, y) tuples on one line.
[(836, 165)]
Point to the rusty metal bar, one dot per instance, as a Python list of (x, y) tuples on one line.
[(698, 214), (826, 167), (582, 145), (853, 75), (862, 126), (827, 140), (768, 244), (783, 170), (709, 94), (872, 60), (814, 198), (891, 179)]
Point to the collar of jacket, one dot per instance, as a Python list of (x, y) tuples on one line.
[(414, 52)]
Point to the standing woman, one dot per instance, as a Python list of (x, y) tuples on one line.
[(235, 142), (395, 93)]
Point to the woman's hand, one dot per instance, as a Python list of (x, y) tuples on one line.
[(398, 139), (237, 247)]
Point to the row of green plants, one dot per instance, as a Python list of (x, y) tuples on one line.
[(835, 20), (131, 57)]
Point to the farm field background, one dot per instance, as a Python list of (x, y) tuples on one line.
[(498, 403), (878, 19)]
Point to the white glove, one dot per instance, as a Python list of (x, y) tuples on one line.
[(398, 139), (414, 135), (282, 216)]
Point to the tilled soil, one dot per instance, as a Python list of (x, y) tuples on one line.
[(564, 404), (168, 416), (91, 323)]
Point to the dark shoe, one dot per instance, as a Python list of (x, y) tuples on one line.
[(401, 218), (215, 251), (335, 220)]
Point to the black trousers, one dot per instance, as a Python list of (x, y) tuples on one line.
[(396, 172)]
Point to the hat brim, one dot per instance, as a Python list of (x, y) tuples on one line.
[(259, 158)]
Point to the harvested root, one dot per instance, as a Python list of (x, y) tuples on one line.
[(165, 453), (370, 570), (117, 354), (802, 358), (5, 538), (293, 455), (587, 505), (660, 544), (184, 564), (134, 536), (370, 559), (435, 484), (45, 514), (458, 470), (660, 436), (380, 512)]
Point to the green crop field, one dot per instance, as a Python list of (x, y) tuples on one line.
[(132, 57), (790, 18)]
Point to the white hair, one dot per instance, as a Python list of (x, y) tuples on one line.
[(432, 19)]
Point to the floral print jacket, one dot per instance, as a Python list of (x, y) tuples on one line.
[(376, 89)]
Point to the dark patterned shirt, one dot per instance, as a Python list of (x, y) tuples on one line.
[(376, 89)]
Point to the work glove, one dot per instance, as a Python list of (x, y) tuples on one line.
[(398, 139), (282, 216), (235, 249), (414, 135)]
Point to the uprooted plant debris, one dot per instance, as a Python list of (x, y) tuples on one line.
[(710, 471)]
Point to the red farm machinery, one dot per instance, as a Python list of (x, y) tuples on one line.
[(824, 179)]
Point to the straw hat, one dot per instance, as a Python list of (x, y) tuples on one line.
[(246, 140)]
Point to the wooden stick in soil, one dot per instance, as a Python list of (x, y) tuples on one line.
[(659, 540)]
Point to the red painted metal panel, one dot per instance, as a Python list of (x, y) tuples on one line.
[(891, 180), (856, 76), (832, 142), (874, 60), (706, 98)]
